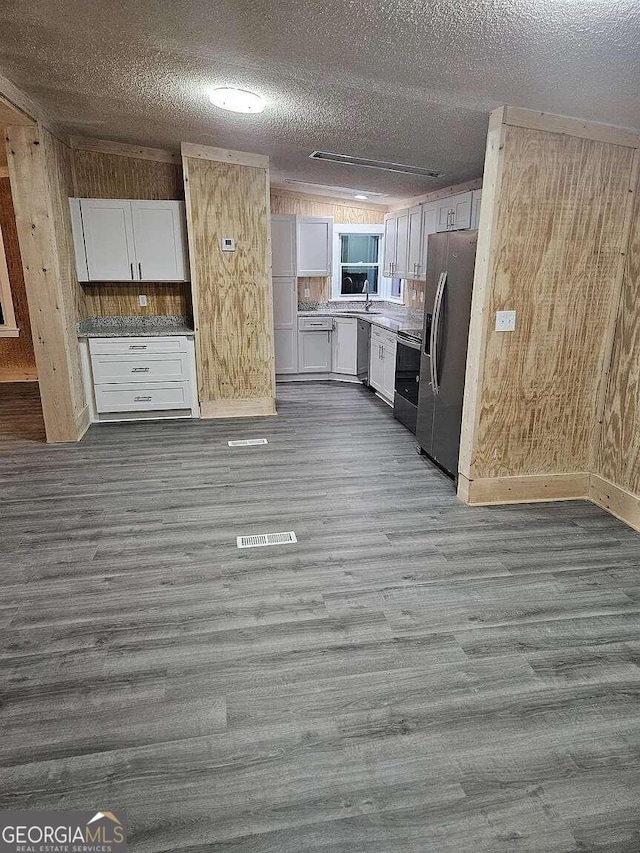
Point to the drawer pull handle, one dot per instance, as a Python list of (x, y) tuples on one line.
[(139, 369), (137, 346), (141, 399)]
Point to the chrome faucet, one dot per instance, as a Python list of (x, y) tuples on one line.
[(367, 297)]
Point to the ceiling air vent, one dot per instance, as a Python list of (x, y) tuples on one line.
[(375, 164), (247, 442)]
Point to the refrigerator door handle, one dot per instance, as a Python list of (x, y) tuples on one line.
[(435, 327), (431, 333)]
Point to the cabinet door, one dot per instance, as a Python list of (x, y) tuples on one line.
[(344, 346), (108, 238), (376, 361), (390, 229), (389, 368), (159, 234), (414, 255), (461, 206), (443, 214), (315, 243), (283, 246), (285, 307), (429, 226), (400, 269), (314, 352)]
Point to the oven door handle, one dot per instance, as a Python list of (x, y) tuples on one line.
[(435, 328), (403, 342)]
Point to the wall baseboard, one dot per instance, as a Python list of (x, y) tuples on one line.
[(250, 408), (616, 500), (529, 489)]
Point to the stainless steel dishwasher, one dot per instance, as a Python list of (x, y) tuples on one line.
[(364, 346)]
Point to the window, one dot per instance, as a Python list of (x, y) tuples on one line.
[(8, 328), (357, 264)]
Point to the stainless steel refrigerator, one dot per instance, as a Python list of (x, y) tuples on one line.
[(447, 310)]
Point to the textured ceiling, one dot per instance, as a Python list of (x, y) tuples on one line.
[(411, 81)]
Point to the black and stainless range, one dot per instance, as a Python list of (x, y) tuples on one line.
[(405, 400)]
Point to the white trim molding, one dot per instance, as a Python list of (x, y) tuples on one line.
[(384, 283)]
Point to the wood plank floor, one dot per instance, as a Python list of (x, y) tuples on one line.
[(414, 676)]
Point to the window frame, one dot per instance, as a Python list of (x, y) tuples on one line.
[(384, 283), (8, 328)]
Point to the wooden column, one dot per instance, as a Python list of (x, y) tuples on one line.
[(227, 195), (554, 227), (38, 198)]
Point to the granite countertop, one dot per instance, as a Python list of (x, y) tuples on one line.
[(133, 327), (395, 321)]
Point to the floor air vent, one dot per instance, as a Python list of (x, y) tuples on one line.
[(247, 442), (258, 540)]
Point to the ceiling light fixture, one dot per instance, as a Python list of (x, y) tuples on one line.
[(236, 100), (361, 197), (375, 164)]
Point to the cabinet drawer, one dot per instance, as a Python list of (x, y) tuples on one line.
[(150, 396), (315, 324), (130, 367), (117, 346), (390, 339)]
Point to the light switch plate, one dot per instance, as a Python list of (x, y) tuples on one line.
[(505, 321), (228, 244), (307, 292), (142, 300)]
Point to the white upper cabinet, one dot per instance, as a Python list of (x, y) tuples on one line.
[(283, 246), (415, 253), (390, 233), (400, 269), (314, 245), (454, 213), (108, 239), (396, 244), (159, 237), (124, 240)]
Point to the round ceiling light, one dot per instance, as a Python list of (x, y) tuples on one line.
[(236, 100)]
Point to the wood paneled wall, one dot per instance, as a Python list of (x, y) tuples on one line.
[(618, 460), (232, 294), (40, 167), (17, 359), (109, 174), (100, 175), (114, 299), (553, 232), (284, 202)]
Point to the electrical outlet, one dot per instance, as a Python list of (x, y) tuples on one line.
[(307, 292), (228, 244), (505, 321), (414, 294), (142, 300)]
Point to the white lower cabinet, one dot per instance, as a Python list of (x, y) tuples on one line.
[(344, 346), (138, 378), (314, 351), (382, 362)]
